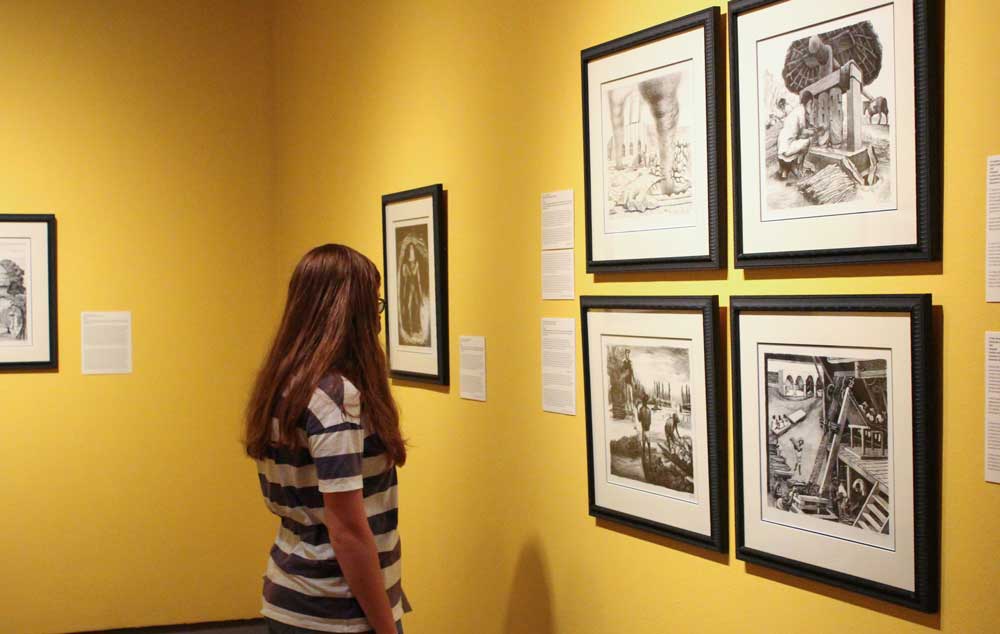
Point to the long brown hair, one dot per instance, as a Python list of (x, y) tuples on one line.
[(330, 326)]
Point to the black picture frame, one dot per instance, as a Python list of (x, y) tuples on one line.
[(928, 100), (926, 468), (710, 20), (708, 308), (52, 362), (438, 229)]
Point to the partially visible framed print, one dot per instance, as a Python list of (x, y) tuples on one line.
[(416, 289), (835, 446), (836, 141), (28, 333), (654, 171), (655, 432)]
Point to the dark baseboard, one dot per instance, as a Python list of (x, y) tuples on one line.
[(247, 626)]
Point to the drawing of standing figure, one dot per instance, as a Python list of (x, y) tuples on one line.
[(628, 380), (645, 419), (840, 501), (413, 285), (798, 444), (411, 290)]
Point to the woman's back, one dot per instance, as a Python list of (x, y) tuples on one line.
[(304, 584)]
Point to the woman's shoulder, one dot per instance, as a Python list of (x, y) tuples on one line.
[(342, 393)]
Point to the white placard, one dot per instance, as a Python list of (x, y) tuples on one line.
[(557, 220), (993, 228), (559, 365), (472, 367), (106, 342), (992, 441), (558, 281)]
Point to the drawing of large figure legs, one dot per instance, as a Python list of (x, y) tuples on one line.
[(616, 107), (661, 95)]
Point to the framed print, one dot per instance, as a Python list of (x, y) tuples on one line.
[(655, 432), (836, 149), (416, 288), (28, 333), (835, 449), (653, 169)]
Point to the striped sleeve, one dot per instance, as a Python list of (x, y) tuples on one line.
[(336, 439)]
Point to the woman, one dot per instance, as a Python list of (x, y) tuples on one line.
[(324, 430)]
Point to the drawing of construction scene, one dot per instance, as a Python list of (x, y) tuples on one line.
[(827, 136), (828, 439)]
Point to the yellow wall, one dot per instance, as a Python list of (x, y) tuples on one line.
[(190, 164), (145, 127), (485, 97)]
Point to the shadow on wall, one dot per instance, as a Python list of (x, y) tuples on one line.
[(529, 605)]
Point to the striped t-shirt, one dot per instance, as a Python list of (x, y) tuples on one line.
[(304, 585)]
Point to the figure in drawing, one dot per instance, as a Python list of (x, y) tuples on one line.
[(411, 291), (413, 283)]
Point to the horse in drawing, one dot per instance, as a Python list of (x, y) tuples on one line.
[(877, 107)]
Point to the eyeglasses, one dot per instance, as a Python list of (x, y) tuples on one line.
[(381, 305)]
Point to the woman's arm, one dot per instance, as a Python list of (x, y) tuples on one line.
[(354, 546)]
